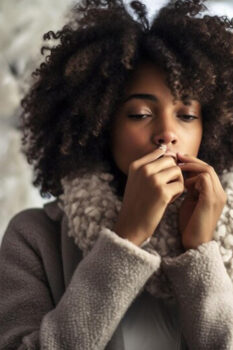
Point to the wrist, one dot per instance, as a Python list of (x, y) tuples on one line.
[(138, 238)]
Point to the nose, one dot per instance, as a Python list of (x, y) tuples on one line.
[(164, 132)]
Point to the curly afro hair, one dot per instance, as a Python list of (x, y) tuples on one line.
[(70, 106)]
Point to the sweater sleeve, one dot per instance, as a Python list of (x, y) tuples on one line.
[(204, 292), (103, 286)]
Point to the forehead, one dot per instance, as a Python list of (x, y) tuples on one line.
[(145, 71), (148, 82)]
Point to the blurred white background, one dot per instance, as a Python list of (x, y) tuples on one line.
[(22, 25)]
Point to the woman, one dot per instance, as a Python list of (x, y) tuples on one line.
[(129, 125)]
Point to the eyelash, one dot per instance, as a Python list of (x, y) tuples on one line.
[(135, 116)]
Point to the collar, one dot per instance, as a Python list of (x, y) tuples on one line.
[(53, 211)]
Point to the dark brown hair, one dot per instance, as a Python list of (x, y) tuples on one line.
[(69, 108)]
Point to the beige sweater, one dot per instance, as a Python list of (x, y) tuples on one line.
[(52, 298)]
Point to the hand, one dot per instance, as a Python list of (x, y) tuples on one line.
[(203, 204), (153, 182)]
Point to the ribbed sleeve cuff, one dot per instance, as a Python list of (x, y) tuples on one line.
[(201, 268), (152, 260), (204, 292)]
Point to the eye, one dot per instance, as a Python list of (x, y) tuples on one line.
[(188, 117), (138, 116), (185, 117)]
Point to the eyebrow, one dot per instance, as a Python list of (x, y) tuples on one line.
[(141, 97), (150, 97)]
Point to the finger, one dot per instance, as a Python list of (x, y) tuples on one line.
[(199, 167), (186, 158), (148, 158), (190, 181), (176, 188), (169, 175), (196, 167), (201, 183), (158, 165)]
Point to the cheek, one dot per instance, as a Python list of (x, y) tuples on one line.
[(198, 137), (193, 140), (128, 144), (130, 140)]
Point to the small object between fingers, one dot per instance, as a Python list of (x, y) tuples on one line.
[(163, 147)]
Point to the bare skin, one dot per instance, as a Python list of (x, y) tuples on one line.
[(203, 204), (148, 191), (153, 182)]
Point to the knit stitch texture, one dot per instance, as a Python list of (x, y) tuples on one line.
[(92, 206)]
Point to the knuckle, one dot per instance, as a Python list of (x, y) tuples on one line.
[(209, 168), (180, 173), (133, 166), (155, 181), (145, 171), (205, 176)]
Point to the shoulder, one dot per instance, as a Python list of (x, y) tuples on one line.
[(29, 219), (34, 225)]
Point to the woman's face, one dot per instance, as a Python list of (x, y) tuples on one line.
[(176, 125)]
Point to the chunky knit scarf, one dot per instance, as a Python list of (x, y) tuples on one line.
[(91, 206)]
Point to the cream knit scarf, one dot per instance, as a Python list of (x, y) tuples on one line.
[(91, 206)]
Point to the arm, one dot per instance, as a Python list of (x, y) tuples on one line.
[(204, 293), (102, 287)]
